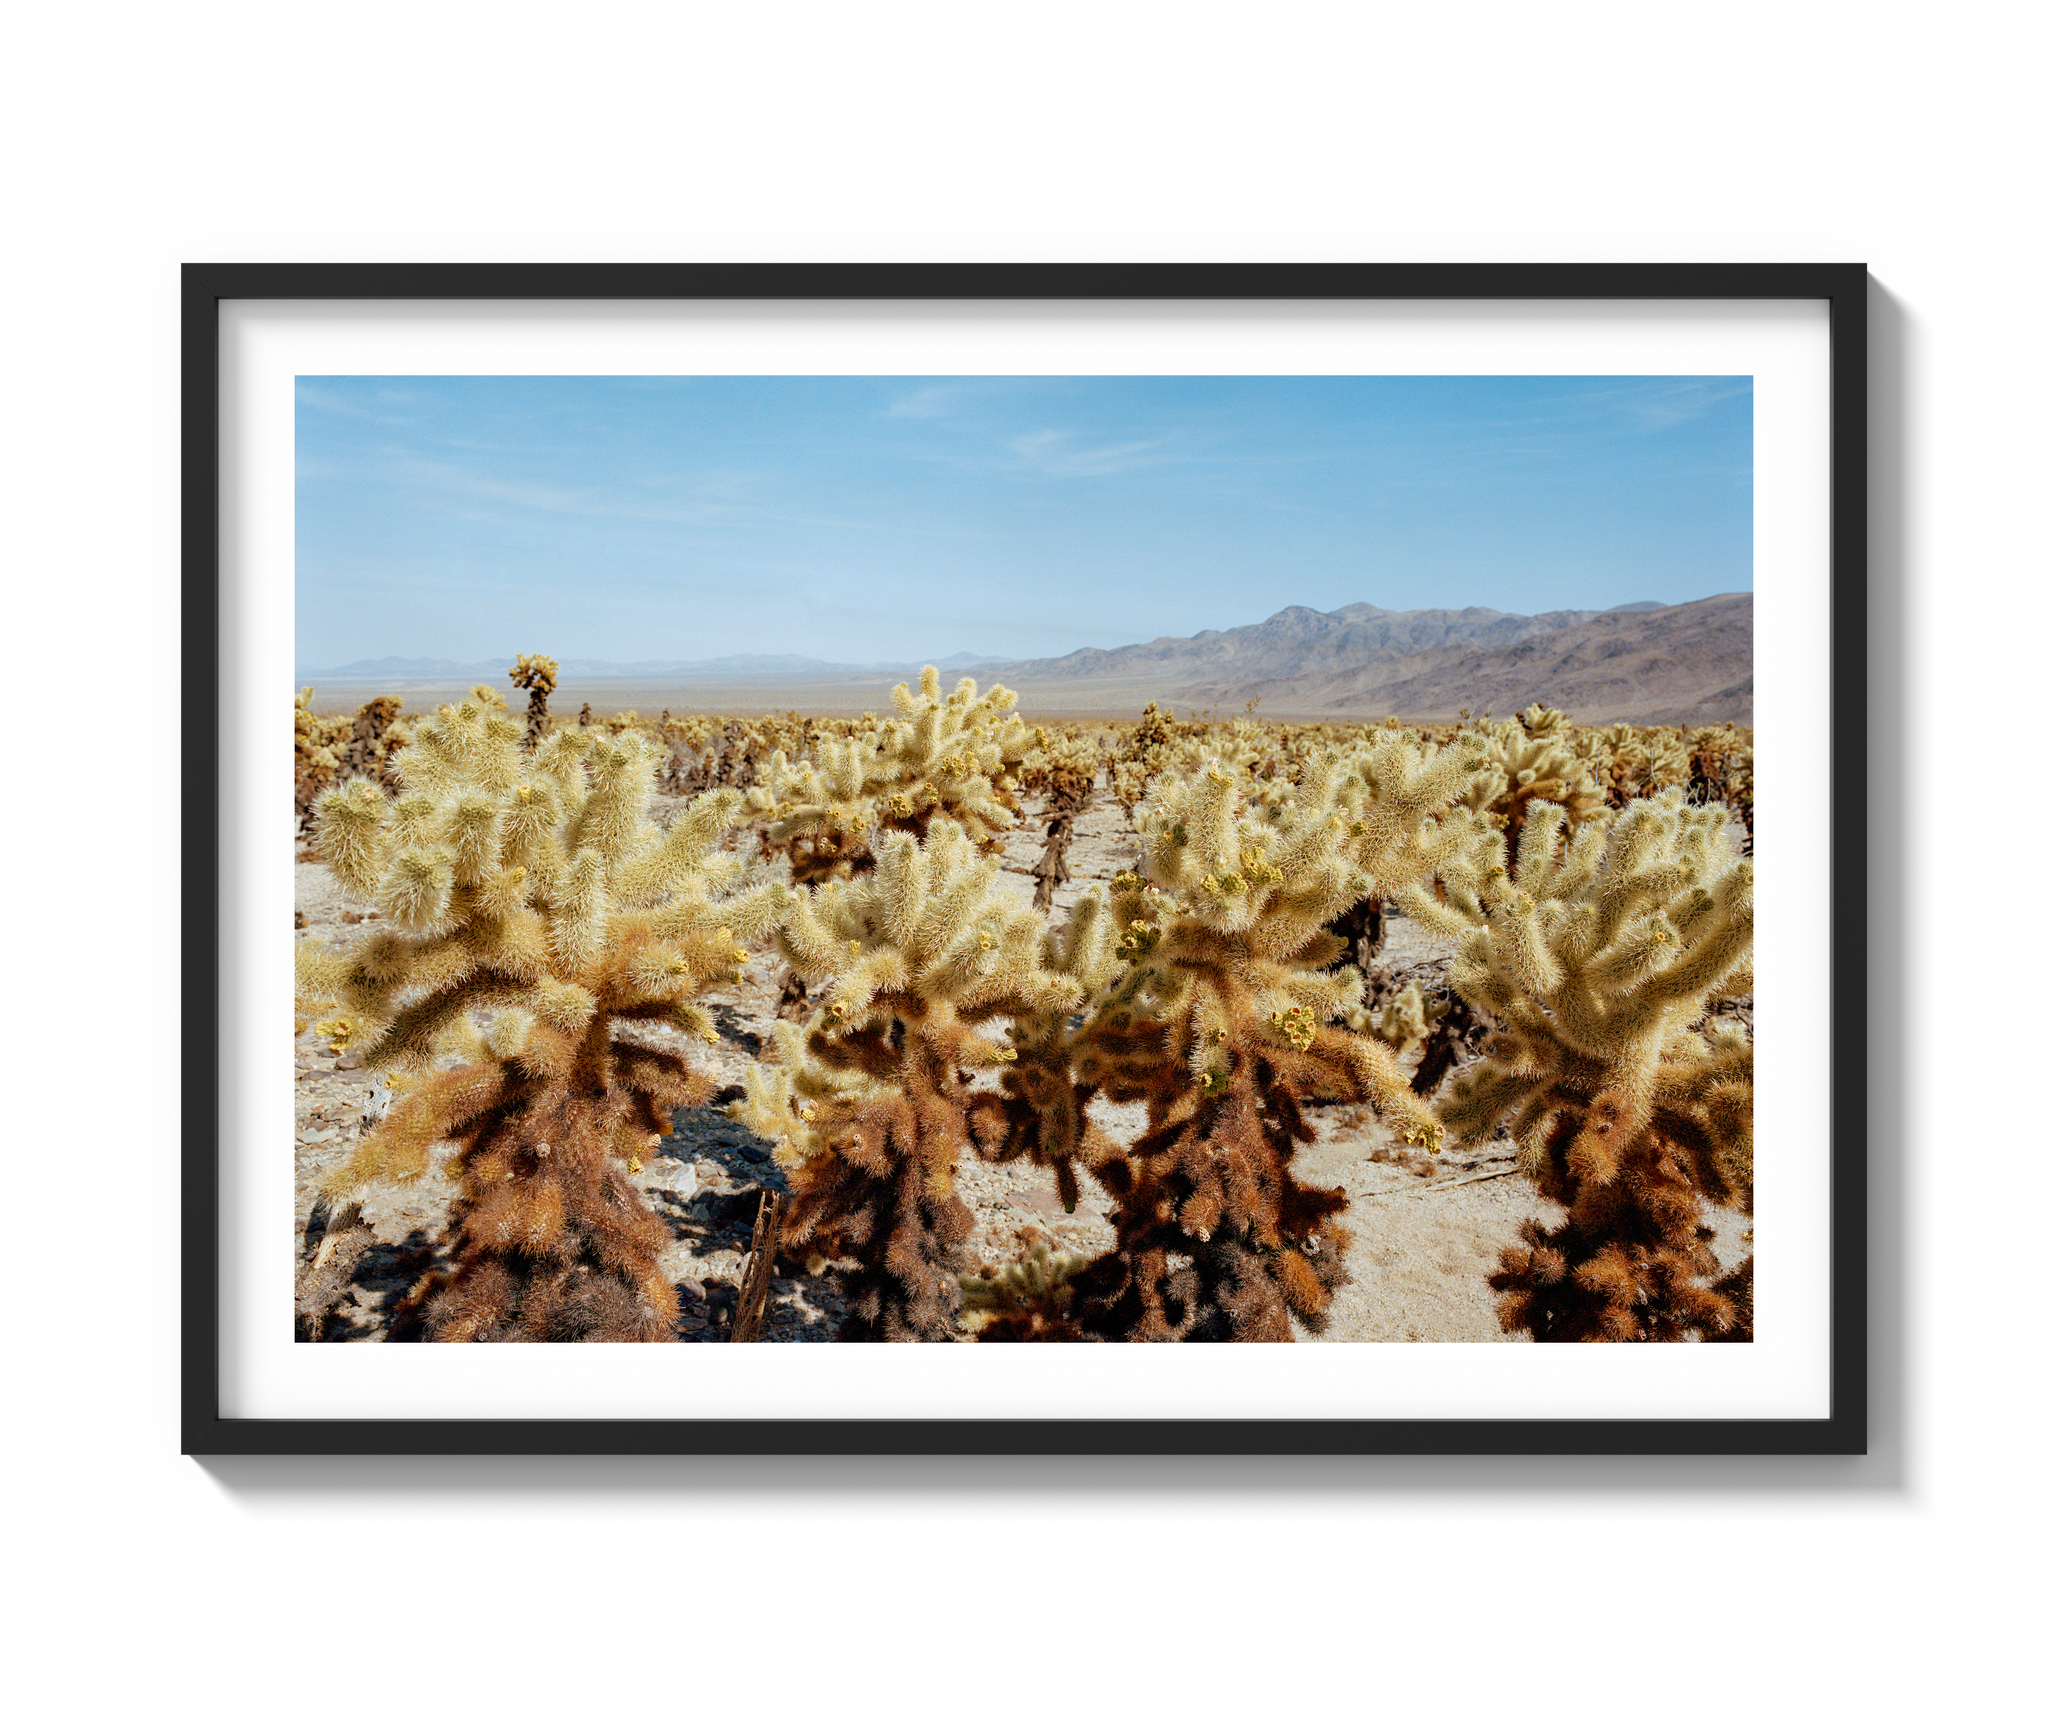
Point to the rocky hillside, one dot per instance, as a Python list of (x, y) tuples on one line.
[(1299, 641), (1690, 663)]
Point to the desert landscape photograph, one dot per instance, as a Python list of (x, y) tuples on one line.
[(1023, 859)]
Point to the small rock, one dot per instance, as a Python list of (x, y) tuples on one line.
[(734, 1210), (753, 1154), (720, 1292)]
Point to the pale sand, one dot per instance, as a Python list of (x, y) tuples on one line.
[(810, 695)]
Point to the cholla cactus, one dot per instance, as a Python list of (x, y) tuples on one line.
[(375, 739), (1722, 766), (1595, 962), (1407, 1016), (535, 909), (317, 743), (1605, 751), (1248, 749), (950, 758), (535, 675), (870, 1108), (334, 750), (1150, 738), (1220, 1024), (1043, 1113), (1025, 1301), (1632, 763), (1062, 767), (1127, 784), (1064, 771), (1532, 758)]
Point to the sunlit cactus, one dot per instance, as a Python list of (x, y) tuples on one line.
[(535, 675), (1026, 1300), (1127, 784), (1062, 767), (538, 934), (376, 736), (1042, 1115), (1721, 766), (1250, 750), (909, 959), (1595, 962), (950, 758), (534, 912), (1629, 762), (317, 744), (1150, 736), (1221, 1024), (1530, 759)]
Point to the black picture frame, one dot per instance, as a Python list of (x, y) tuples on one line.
[(1843, 288)]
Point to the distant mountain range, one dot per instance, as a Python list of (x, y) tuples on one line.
[(1691, 663), (1641, 662), (1298, 641)]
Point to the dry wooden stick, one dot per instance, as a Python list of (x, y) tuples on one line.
[(1442, 1186), (754, 1281), (1446, 1186)]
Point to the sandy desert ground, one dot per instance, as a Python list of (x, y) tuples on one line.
[(1425, 1231)]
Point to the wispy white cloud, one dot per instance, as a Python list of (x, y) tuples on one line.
[(711, 498), (1682, 402), (1063, 453), (322, 399), (962, 396), (1651, 404), (932, 402), (1625, 404)]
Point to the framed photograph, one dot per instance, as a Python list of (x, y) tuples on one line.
[(1786, 342)]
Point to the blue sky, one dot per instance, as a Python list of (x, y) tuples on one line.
[(869, 519)]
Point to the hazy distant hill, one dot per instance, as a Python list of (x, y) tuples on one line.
[(415, 669), (1303, 640), (1640, 662), (1689, 663)]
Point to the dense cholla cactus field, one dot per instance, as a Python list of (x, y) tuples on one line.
[(1150, 1029)]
